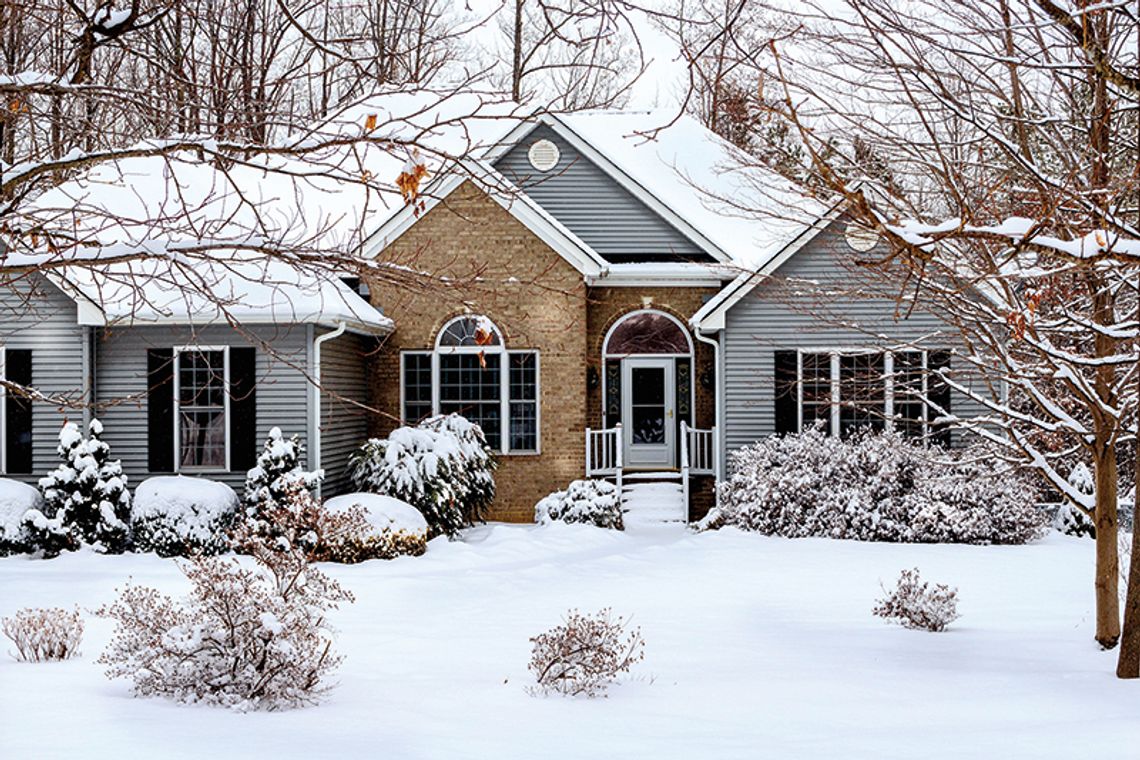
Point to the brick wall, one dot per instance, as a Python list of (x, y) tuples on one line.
[(537, 299), (499, 268), (607, 305)]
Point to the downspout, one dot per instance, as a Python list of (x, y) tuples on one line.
[(718, 408), (315, 401)]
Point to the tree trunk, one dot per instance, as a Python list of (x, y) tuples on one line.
[(516, 62), (1107, 562), (1128, 662)]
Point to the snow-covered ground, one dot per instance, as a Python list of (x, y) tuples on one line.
[(755, 647)]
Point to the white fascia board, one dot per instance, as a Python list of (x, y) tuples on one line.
[(710, 317), (399, 223), (513, 200), (637, 189), (88, 312), (512, 138), (650, 275)]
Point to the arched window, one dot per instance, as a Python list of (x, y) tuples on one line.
[(472, 373), (647, 332)]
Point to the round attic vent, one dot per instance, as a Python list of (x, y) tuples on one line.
[(543, 155), (860, 238)]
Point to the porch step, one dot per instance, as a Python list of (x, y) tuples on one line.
[(652, 475), (654, 503)]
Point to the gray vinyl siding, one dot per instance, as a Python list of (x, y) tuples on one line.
[(789, 312), (344, 424), (35, 315), (121, 385), (605, 215)]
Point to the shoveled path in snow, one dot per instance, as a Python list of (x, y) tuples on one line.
[(756, 648)]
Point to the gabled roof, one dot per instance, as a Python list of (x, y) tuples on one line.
[(552, 232), (711, 315), (735, 211)]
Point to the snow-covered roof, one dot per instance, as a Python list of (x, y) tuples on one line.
[(707, 187), (247, 290), (190, 223), (738, 212)]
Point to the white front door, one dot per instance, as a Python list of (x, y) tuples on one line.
[(649, 427)]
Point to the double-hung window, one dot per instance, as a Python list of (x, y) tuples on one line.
[(201, 413), (845, 391), (471, 373)]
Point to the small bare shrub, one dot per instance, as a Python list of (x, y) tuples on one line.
[(918, 605), (245, 638), (41, 635), (584, 655)]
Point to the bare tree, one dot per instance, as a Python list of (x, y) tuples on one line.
[(993, 145), (572, 54)]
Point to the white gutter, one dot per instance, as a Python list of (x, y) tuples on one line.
[(315, 401), (718, 407)]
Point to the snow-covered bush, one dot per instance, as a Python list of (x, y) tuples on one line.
[(176, 516), (16, 500), (478, 463), (42, 635), (876, 487), (584, 655), (1071, 519), (86, 500), (278, 471), (584, 501), (394, 529), (916, 604), (442, 467), (245, 638)]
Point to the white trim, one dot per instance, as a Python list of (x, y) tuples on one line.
[(664, 275), (889, 382), (177, 350), (505, 398), (626, 316), (711, 316), (510, 198), (635, 188), (691, 356)]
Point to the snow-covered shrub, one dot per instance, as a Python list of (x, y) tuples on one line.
[(584, 501), (176, 516), (584, 655), (278, 471), (86, 500), (916, 604), (16, 500), (442, 467), (1071, 519), (394, 529), (245, 638), (42, 635), (478, 463), (876, 487)]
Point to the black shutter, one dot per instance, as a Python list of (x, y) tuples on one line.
[(784, 385), (243, 408), (160, 409), (18, 411), (939, 393)]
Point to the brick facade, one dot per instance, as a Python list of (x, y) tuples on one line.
[(540, 302)]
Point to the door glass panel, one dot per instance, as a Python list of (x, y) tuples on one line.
[(647, 405)]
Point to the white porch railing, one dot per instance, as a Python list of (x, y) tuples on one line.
[(604, 454), (698, 449)]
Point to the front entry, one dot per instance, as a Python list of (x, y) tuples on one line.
[(647, 408)]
